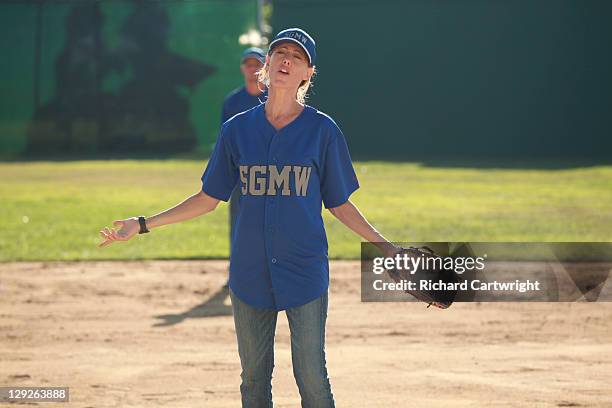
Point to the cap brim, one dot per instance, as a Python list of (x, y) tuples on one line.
[(293, 40), (255, 57)]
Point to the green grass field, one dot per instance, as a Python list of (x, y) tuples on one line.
[(54, 210)]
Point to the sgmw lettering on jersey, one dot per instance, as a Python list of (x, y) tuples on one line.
[(259, 180)]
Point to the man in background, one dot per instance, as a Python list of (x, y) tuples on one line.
[(251, 94)]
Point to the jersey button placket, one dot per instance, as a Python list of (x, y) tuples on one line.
[(270, 215)]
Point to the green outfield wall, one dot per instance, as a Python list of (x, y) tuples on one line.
[(117, 76), (411, 79), (404, 79)]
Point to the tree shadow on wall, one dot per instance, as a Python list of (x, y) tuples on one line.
[(149, 112)]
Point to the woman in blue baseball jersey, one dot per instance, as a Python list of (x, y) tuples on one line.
[(289, 160)]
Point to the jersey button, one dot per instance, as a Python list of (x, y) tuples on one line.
[(273, 260)]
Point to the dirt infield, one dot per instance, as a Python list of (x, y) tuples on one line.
[(146, 334)]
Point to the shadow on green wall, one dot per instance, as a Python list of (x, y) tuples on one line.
[(149, 112)]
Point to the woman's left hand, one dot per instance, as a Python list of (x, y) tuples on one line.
[(391, 250)]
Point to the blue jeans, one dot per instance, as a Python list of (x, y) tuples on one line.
[(255, 332)]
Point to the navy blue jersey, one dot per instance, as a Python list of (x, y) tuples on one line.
[(279, 248), (239, 100)]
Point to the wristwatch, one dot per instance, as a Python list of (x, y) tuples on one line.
[(143, 225)]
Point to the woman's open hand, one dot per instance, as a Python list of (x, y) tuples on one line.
[(128, 228)]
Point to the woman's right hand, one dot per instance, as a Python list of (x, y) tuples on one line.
[(128, 228)]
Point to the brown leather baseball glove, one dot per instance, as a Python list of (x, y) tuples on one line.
[(430, 268)]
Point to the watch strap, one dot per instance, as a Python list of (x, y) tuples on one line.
[(143, 225)]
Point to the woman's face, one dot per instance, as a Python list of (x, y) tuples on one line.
[(288, 66)]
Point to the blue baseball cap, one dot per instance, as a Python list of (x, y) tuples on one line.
[(301, 38), (254, 52)]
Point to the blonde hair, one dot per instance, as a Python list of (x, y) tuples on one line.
[(263, 76)]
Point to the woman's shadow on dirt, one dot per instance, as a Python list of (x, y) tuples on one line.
[(214, 306)]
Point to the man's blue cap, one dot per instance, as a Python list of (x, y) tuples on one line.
[(254, 52), (301, 38)]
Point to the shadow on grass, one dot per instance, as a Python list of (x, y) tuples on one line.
[(214, 306), (500, 162), (33, 158), (474, 162), (509, 163)]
